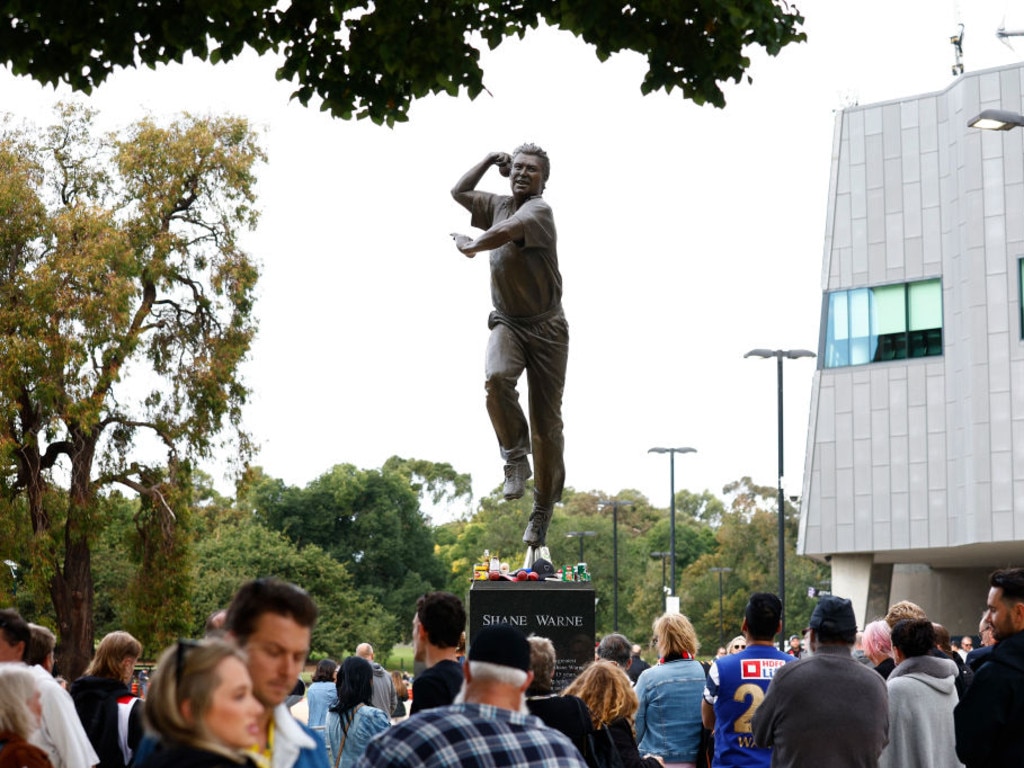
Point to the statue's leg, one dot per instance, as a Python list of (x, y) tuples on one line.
[(504, 365), (547, 357)]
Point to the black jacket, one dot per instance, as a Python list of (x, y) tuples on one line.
[(98, 701), (190, 757), (988, 718)]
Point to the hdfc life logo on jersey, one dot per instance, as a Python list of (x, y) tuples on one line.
[(760, 669)]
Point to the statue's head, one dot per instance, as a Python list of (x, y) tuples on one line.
[(541, 158)]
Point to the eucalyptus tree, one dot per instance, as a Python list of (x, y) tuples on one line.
[(125, 311), (364, 59)]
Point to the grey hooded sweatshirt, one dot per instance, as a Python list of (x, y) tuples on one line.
[(922, 695)]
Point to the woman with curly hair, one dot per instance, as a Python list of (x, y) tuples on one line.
[(668, 721), (607, 691)]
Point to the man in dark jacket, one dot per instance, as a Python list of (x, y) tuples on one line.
[(989, 716)]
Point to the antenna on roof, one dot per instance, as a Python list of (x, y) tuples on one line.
[(958, 47)]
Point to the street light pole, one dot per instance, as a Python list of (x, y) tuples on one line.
[(664, 594), (721, 606), (615, 504), (779, 354), (580, 535), (672, 502)]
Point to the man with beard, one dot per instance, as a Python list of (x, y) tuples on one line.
[(988, 718)]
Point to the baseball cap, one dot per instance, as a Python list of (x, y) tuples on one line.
[(833, 615), (501, 644)]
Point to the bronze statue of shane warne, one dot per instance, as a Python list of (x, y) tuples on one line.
[(528, 328)]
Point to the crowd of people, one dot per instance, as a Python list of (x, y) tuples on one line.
[(897, 695)]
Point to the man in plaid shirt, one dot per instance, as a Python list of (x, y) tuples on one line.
[(486, 727)]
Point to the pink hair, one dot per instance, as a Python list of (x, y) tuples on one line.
[(876, 640)]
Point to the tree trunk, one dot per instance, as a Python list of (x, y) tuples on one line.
[(71, 590), (72, 586)]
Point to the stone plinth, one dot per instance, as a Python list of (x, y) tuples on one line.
[(562, 611)]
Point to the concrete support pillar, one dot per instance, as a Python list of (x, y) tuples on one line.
[(854, 577)]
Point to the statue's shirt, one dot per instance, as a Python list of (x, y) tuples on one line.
[(525, 281)]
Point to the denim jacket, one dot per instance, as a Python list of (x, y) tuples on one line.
[(668, 721), (367, 723)]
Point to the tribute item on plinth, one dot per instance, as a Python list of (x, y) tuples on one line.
[(528, 328), (562, 611)]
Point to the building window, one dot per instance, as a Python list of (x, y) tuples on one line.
[(888, 322)]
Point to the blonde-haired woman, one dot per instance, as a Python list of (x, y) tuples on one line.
[(110, 713), (668, 721), (201, 707), (19, 717), (608, 693)]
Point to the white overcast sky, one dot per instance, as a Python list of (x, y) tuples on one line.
[(687, 236)]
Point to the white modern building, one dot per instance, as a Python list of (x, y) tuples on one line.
[(914, 478)]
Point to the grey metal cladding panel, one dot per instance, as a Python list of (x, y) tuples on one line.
[(1002, 485), (858, 192), (900, 519), (932, 227), (892, 131), (1015, 224), (844, 497), (893, 186), (930, 180), (876, 216), (936, 462), (992, 186), (1017, 395), (912, 209), (881, 489), (874, 162), (1018, 511), (862, 409), (855, 133), (928, 123), (898, 407), (899, 466), (938, 529), (841, 236), (1000, 425), (880, 438), (910, 162), (894, 259), (913, 253), (826, 456), (995, 246), (997, 315), (917, 445), (862, 524), (825, 420), (979, 524), (1002, 526)]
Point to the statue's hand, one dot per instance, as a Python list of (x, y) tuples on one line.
[(461, 242), (504, 162)]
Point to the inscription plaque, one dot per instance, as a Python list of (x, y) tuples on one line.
[(562, 611)]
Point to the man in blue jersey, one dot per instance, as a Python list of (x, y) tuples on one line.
[(737, 683)]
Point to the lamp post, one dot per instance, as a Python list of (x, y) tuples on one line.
[(672, 502), (779, 355), (663, 556), (996, 120), (615, 504), (580, 535), (721, 606)]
